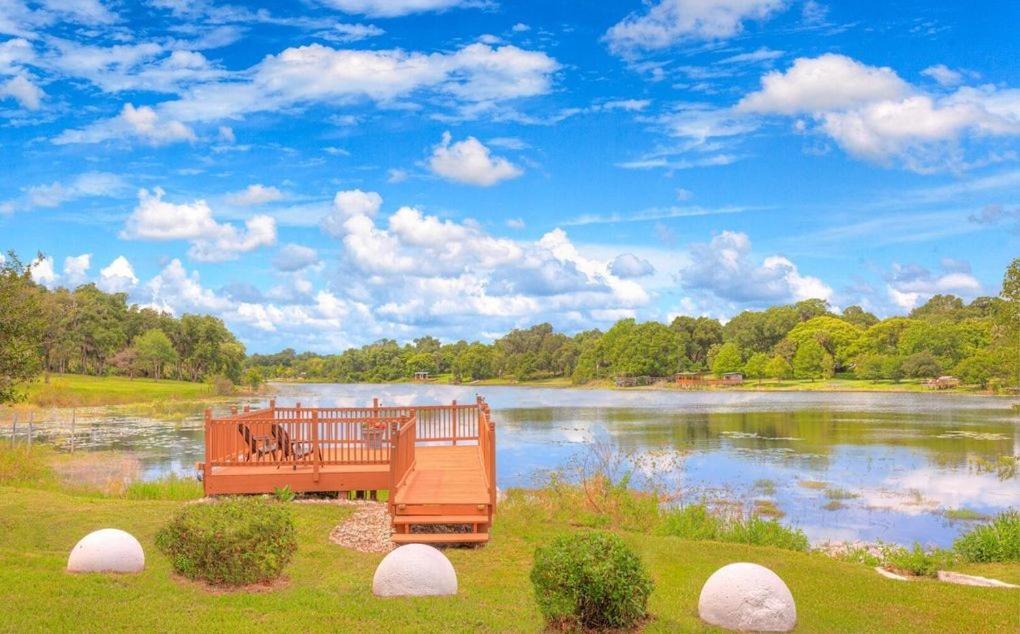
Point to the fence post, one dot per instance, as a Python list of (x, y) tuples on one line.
[(14, 431), (31, 421), (453, 418), (74, 412), (315, 443), (272, 408)]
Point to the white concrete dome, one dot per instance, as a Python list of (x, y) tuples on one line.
[(747, 598), (414, 570), (107, 550)]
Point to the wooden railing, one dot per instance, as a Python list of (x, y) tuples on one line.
[(487, 447), (402, 448)]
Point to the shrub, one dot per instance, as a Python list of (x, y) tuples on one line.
[(916, 561), (235, 541), (590, 580), (997, 541)]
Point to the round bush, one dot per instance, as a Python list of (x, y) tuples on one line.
[(230, 542), (592, 580)]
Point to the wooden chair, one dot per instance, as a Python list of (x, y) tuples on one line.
[(258, 446), (295, 450)]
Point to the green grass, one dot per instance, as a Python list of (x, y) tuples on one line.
[(169, 488), (964, 515), (837, 493), (329, 588), (67, 390)]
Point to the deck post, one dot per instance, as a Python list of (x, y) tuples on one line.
[(453, 417), (206, 467), (315, 443), (233, 410), (297, 427), (272, 408)]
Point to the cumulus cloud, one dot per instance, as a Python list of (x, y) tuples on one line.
[(157, 219), (349, 204), (117, 277), (344, 32), (256, 194), (827, 82), (726, 268), (42, 272), (142, 123), (910, 285), (628, 265), (76, 269), (667, 22), (294, 257), (470, 162), (875, 115)]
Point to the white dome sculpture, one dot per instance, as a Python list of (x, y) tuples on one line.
[(107, 550), (414, 570), (747, 598)]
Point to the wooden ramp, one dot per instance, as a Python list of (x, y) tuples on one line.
[(437, 463)]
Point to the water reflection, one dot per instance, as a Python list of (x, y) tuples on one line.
[(904, 458)]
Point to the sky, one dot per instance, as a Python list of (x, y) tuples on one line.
[(326, 173)]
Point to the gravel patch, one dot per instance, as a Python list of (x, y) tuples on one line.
[(367, 530)]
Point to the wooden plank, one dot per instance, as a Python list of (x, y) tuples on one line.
[(440, 519), (439, 538)]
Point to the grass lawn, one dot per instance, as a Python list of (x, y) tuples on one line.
[(329, 588), (65, 390)]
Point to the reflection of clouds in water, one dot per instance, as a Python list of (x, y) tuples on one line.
[(925, 490)]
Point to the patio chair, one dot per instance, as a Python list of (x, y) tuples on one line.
[(258, 446), (293, 449)]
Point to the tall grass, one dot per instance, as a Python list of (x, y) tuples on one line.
[(697, 522), (24, 467), (171, 487)]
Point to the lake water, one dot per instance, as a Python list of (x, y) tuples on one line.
[(905, 458)]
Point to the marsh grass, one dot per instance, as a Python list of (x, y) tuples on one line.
[(833, 505), (837, 493), (997, 541), (696, 522), (171, 487), (767, 508), (812, 484), (765, 486), (917, 561), (966, 515)]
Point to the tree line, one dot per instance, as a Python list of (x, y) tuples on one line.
[(979, 342), (88, 331)]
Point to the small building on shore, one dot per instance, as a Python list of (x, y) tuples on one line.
[(943, 383), (421, 377)]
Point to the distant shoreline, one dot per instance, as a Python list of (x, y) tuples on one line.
[(845, 386)]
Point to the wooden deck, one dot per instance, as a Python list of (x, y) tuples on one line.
[(437, 462)]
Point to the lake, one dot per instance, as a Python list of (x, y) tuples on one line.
[(841, 466)]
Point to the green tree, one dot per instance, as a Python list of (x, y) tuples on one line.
[(808, 362), (22, 328), (254, 377), (757, 366), (778, 368), (154, 349), (835, 335), (921, 365), (727, 359)]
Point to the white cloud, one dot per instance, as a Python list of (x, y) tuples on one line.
[(349, 204), (76, 269), (397, 8), (344, 32), (725, 268), (667, 22), (628, 265), (143, 123), (294, 257), (828, 82), (395, 175), (874, 114), (256, 194), (157, 219), (41, 270), (515, 223), (910, 285), (470, 162), (944, 75), (88, 184), (21, 89), (226, 134), (117, 277)]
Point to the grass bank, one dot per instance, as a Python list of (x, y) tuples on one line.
[(328, 588), (66, 390)]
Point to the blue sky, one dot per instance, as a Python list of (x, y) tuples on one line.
[(328, 172)]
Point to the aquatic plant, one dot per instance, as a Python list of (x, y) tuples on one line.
[(998, 540)]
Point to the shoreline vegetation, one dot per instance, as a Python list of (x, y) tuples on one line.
[(326, 585)]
